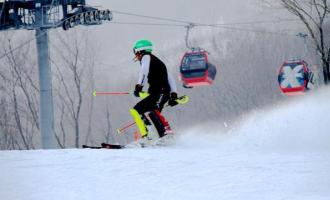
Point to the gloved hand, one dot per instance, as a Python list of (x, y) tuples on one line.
[(173, 98), (138, 89)]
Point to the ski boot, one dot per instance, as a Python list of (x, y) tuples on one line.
[(145, 141), (168, 130)]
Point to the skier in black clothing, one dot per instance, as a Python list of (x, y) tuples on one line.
[(161, 89)]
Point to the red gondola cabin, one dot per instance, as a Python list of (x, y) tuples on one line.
[(292, 77), (196, 70)]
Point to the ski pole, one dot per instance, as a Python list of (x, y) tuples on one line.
[(180, 100), (109, 93), (141, 94), (119, 130)]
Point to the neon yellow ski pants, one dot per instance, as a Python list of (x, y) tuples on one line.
[(139, 122)]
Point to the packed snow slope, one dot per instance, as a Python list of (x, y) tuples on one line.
[(281, 153)]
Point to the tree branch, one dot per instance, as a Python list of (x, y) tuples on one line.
[(27, 94)]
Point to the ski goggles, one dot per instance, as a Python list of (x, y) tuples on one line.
[(135, 51), (135, 59)]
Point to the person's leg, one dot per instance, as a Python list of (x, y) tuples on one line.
[(139, 122), (165, 123), (139, 109), (164, 99), (159, 121)]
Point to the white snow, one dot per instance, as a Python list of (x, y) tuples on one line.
[(282, 153)]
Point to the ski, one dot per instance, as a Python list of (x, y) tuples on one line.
[(112, 146), (91, 147), (104, 146), (160, 142)]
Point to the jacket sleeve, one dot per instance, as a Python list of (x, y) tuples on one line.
[(144, 71)]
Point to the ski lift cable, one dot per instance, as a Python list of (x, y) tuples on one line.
[(190, 22), (146, 24), (224, 25), (260, 22), (21, 45), (250, 30), (151, 17), (205, 25), (185, 24)]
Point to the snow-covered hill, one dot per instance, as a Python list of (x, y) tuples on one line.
[(282, 153)]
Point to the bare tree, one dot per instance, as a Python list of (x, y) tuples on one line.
[(109, 136), (91, 102), (61, 141), (19, 118), (24, 81), (109, 129), (72, 98), (316, 25), (74, 75), (6, 134)]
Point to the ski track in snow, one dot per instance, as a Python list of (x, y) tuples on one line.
[(282, 153)]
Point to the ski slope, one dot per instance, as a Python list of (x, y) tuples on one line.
[(280, 153)]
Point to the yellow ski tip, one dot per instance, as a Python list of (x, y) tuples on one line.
[(94, 93)]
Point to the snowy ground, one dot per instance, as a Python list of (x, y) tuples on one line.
[(283, 153)]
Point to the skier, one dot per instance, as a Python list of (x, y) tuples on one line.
[(162, 89)]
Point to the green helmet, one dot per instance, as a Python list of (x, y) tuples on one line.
[(142, 45)]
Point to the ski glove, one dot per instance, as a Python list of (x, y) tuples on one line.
[(138, 89), (173, 98)]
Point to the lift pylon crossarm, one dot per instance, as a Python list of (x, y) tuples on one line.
[(13, 14), (21, 14)]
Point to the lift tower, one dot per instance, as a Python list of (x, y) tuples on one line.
[(41, 15)]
